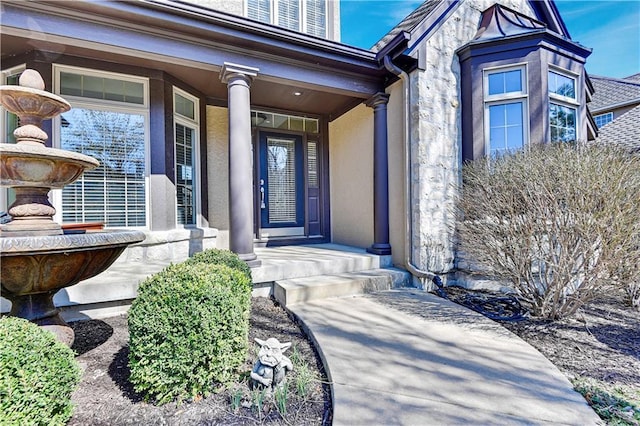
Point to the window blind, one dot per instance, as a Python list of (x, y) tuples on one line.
[(114, 192), (281, 180), (289, 14), (184, 175), (259, 10), (316, 17)]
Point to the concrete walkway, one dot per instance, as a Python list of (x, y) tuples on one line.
[(406, 357)]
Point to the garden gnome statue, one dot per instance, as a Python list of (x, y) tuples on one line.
[(272, 365)]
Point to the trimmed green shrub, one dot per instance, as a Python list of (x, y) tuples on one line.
[(38, 374), (558, 221), (221, 257), (188, 330)]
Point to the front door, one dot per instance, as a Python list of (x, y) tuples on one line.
[(281, 185)]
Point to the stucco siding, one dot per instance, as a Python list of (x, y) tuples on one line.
[(621, 111), (436, 135), (218, 172), (351, 177), (395, 131)]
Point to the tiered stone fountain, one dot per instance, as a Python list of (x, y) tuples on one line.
[(36, 257)]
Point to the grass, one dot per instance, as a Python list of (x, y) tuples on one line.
[(616, 404)]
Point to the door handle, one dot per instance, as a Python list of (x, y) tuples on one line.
[(262, 203)]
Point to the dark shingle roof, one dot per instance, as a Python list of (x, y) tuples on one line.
[(408, 23), (613, 91), (623, 131)]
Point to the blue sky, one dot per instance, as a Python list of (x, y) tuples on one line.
[(611, 28)]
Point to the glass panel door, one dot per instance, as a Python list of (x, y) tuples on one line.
[(281, 183)]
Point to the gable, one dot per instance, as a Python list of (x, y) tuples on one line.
[(423, 21)]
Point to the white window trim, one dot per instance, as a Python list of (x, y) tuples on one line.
[(564, 101), (566, 105), (5, 75), (194, 124), (105, 105), (9, 72), (497, 70), (606, 114), (506, 98), (57, 69)]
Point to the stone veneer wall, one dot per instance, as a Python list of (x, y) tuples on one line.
[(436, 134), (235, 7)]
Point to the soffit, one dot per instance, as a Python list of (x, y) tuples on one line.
[(331, 80)]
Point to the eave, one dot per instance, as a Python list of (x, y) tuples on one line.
[(192, 44)]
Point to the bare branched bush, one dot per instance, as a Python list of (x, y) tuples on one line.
[(633, 292), (559, 221)]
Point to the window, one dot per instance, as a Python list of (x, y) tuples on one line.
[(9, 120), (316, 17), (284, 122), (260, 10), (186, 136), (562, 107), (505, 97), (562, 121), (8, 123), (561, 85), (288, 14), (603, 119), (309, 16), (108, 121)]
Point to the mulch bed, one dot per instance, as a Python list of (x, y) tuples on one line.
[(601, 341), (105, 396)]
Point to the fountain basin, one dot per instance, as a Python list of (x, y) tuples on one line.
[(23, 165), (32, 104), (33, 269)]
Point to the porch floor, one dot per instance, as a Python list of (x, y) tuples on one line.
[(110, 293)]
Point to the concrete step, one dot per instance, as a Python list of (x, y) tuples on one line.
[(305, 289), (287, 262)]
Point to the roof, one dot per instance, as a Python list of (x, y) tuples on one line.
[(499, 21), (408, 23), (614, 91), (545, 10), (635, 77), (623, 131)]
